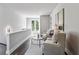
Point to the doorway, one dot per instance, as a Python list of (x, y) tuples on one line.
[(35, 23)]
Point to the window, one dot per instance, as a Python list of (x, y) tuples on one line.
[(35, 25)]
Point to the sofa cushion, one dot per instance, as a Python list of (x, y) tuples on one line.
[(61, 38)]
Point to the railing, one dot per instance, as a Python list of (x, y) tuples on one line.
[(14, 40)]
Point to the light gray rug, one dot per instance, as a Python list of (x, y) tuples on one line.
[(34, 49)]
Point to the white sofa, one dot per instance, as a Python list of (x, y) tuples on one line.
[(52, 48)]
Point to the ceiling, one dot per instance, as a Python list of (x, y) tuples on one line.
[(31, 8)]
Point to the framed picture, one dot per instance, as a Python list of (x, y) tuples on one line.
[(60, 19)]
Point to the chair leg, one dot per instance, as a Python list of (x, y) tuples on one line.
[(42, 53), (65, 53)]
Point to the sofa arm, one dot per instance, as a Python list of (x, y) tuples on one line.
[(53, 46), (52, 49)]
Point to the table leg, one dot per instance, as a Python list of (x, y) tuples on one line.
[(39, 43)]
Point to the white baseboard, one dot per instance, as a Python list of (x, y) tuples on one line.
[(68, 51)]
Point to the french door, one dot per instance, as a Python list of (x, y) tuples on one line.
[(35, 27)]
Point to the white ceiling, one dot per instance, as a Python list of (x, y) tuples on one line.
[(32, 8)]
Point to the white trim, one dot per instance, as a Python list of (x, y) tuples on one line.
[(68, 51), (7, 52), (10, 51)]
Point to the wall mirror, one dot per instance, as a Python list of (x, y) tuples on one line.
[(60, 19)]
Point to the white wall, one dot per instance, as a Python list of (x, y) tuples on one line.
[(11, 18), (54, 12), (28, 23), (2, 36), (44, 23), (71, 27), (71, 18)]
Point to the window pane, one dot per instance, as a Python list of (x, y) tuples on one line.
[(37, 25), (33, 27)]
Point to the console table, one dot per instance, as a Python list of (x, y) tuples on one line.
[(37, 39)]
